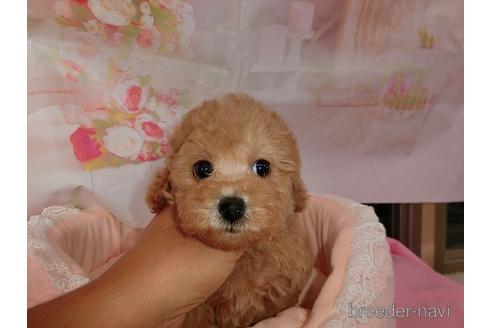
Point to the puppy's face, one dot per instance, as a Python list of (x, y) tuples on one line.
[(234, 177)]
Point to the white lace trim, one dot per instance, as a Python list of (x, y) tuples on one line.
[(358, 288), (39, 246)]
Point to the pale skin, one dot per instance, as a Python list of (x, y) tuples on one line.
[(162, 278)]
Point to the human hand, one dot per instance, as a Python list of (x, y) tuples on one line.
[(170, 274), (161, 278)]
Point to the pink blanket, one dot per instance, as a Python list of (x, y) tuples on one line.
[(354, 267), (432, 299)]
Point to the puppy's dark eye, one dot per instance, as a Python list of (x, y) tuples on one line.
[(203, 169), (261, 167)]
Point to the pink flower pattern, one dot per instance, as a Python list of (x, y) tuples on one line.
[(124, 105), (133, 97), (148, 128), (85, 145)]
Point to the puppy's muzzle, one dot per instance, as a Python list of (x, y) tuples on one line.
[(232, 208)]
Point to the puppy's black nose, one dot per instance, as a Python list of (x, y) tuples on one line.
[(231, 208)]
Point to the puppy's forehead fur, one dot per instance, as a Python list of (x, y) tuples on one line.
[(234, 130)]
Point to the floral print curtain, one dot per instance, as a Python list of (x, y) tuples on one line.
[(373, 90)]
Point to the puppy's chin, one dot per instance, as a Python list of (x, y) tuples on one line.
[(226, 237)]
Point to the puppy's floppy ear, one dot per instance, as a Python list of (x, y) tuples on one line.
[(299, 193), (158, 195)]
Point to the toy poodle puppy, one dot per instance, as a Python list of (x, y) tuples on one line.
[(234, 178)]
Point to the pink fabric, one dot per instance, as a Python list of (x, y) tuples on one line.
[(88, 243), (417, 285), (376, 106), (329, 225), (39, 286), (93, 239)]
